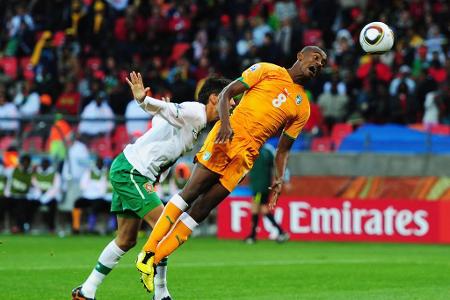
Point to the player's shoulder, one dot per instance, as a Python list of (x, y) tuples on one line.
[(191, 104), (194, 109), (266, 66)]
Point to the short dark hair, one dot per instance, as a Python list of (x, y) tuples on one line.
[(212, 85)]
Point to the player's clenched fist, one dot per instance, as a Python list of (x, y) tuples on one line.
[(276, 191), (225, 134)]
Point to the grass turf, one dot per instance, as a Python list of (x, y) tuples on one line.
[(43, 267)]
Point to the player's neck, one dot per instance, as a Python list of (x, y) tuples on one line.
[(296, 78)]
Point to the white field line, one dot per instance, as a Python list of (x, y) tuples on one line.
[(230, 264)]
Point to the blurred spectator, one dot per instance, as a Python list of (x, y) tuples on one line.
[(374, 69), (60, 133), (69, 101), (434, 42), (20, 28), (420, 62), (94, 29), (404, 76), (436, 69), (118, 4), (47, 184), (8, 110), (174, 44), (283, 37), (431, 107), (403, 106), (5, 202), (333, 105), (94, 188), (244, 43), (285, 10), (5, 79), (341, 88), (270, 51), (434, 101), (76, 163), (90, 124), (260, 29), (17, 189), (27, 100), (134, 111)]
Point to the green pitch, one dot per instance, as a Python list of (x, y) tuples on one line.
[(49, 267)]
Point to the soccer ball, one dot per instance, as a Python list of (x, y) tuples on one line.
[(376, 37)]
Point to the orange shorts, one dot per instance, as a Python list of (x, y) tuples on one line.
[(232, 160)]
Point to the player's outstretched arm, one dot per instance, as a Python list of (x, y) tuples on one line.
[(137, 87), (235, 88), (172, 113), (281, 158)]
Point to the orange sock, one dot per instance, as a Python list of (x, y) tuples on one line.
[(168, 218), (76, 218), (179, 234)]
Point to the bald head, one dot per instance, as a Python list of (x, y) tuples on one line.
[(316, 49), (309, 64)]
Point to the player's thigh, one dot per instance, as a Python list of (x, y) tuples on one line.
[(152, 216), (207, 202), (200, 181)]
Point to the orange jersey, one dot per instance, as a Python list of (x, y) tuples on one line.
[(272, 101)]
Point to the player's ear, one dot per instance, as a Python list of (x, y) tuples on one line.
[(213, 99), (299, 55)]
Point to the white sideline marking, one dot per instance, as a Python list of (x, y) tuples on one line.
[(231, 264)]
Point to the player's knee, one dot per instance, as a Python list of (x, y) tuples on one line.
[(126, 244), (199, 213)]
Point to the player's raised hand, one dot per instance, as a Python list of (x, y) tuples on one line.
[(276, 190), (225, 134), (137, 86)]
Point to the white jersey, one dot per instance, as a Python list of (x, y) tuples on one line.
[(175, 130)]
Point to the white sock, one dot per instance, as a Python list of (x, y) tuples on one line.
[(106, 262), (161, 280), (179, 202), (188, 221)]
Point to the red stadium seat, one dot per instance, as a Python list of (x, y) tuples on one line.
[(33, 144), (178, 51), (27, 68), (339, 132), (439, 129), (102, 146), (322, 144), (94, 63), (9, 65), (58, 38), (312, 36), (120, 139), (5, 142)]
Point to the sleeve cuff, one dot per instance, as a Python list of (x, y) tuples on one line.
[(288, 136), (241, 79)]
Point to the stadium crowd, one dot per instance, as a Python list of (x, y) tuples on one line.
[(72, 56), (69, 59)]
